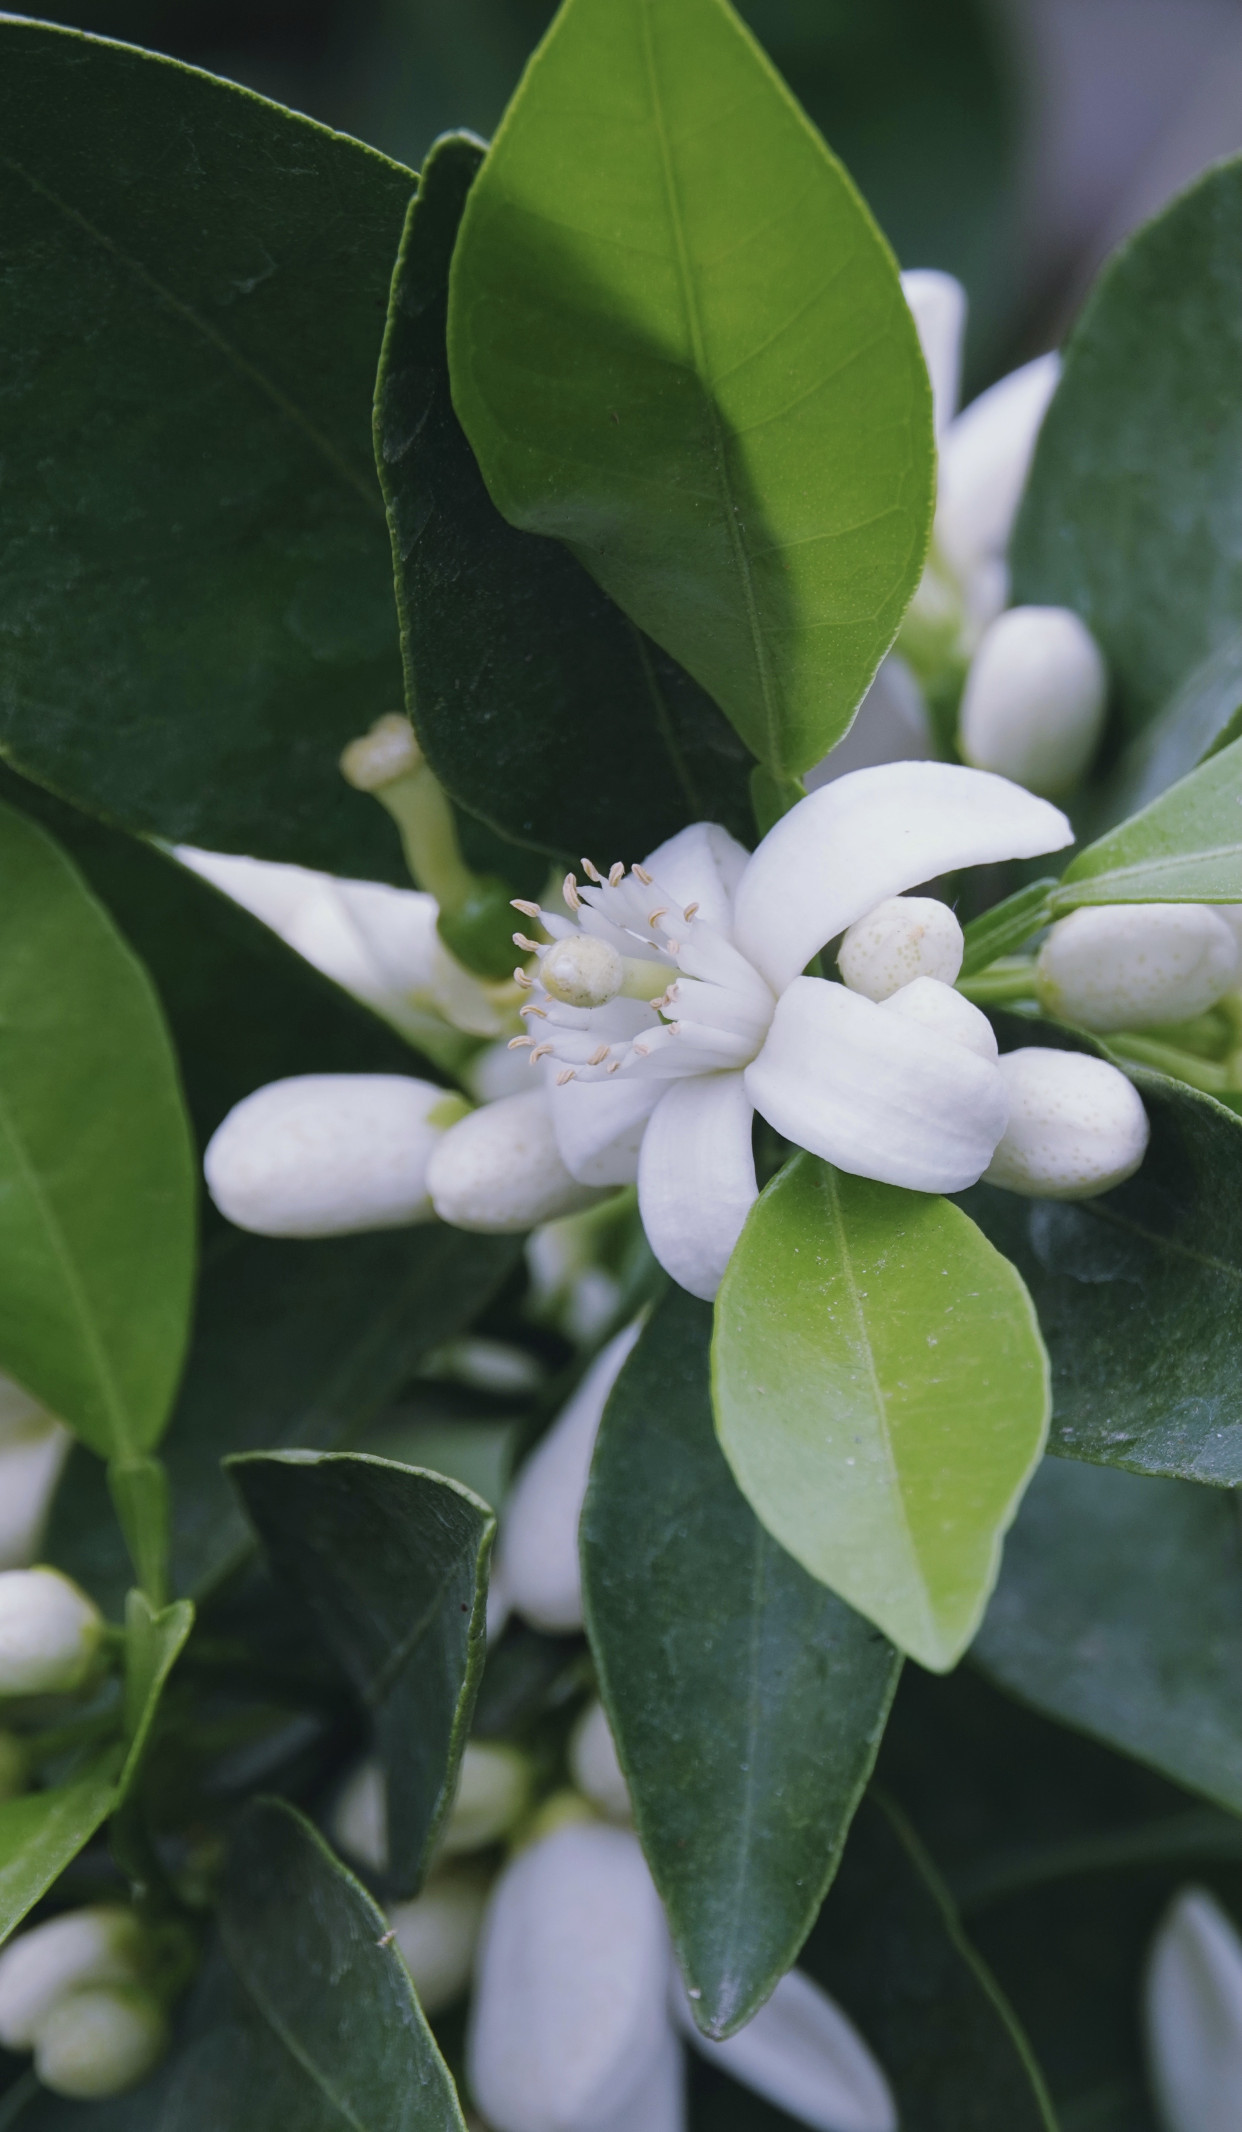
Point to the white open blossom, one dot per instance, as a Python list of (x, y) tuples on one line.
[(672, 1004)]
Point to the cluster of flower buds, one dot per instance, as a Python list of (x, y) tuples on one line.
[(1193, 2008), (75, 1991)]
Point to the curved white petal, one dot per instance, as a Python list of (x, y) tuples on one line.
[(696, 1178), (802, 2053), (941, 1007), (268, 888), (984, 460), (599, 1126), (938, 304), (702, 864), (1194, 2016), (876, 1093), (873, 834)]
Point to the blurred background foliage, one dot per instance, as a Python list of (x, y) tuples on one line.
[(1013, 142)]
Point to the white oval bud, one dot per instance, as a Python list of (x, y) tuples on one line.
[(1193, 2005), (358, 1822), (537, 1549), (1035, 697), (902, 938), (1135, 965), (938, 304), (49, 1633), (102, 1945), (569, 2016), (802, 2053), (500, 1170), (101, 2042), (329, 1154), (33, 1448), (438, 1932), (493, 1792), (594, 1766), (985, 456), (938, 1006), (1076, 1127)]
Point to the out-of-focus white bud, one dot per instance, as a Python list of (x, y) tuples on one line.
[(1193, 2004), (102, 1945), (594, 1766), (493, 1793), (438, 1932), (1231, 913), (500, 1170), (101, 2042), (1033, 707), (486, 1366), (329, 1154), (938, 303), (358, 1822), (33, 1448), (569, 2020), (902, 938), (49, 1633), (1076, 1127), (537, 1549), (802, 2053), (938, 1006), (892, 725), (985, 456), (1135, 965)]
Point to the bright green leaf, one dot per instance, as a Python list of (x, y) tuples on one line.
[(678, 343), (153, 1643), (42, 1832), (1186, 847), (881, 1394), (747, 1702), (392, 1564), (1119, 1610), (96, 1163)]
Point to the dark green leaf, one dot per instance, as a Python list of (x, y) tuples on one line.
[(1186, 847), (96, 1162), (540, 705), (746, 1700), (1119, 1610), (193, 535), (153, 1643), (42, 1832), (679, 343), (392, 1563)]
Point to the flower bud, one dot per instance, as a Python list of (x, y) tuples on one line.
[(938, 304), (594, 1766), (49, 1633), (102, 1945), (1034, 702), (802, 2053), (358, 1822), (537, 1550), (329, 1154), (938, 1006), (33, 1448), (985, 456), (101, 2042), (902, 938), (1193, 2005), (1135, 965), (438, 1932), (499, 1171), (1076, 1127), (493, 1792)]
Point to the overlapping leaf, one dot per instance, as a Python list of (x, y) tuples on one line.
[(1185, 847)]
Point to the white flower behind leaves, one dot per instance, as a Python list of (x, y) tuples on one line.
[(672, 1005)]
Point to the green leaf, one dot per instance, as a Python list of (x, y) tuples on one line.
[(1119, 1610), (678, 343), (1139, 1292), (1005, 927), (515, 659), (1186, 847), (1133, 515), (881, 1394), (392, 1563), (97, 1172), (194, 292), (42, 1832), (747, 1701), (153, 1643), (314, 2023)]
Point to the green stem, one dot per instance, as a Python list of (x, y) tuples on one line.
[(1178, 1064), (139, 1490), (1011, 978)]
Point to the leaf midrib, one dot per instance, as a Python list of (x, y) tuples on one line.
[(284, 2035)]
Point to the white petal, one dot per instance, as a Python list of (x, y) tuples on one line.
[(570, 2006), (659, 2105), (702, 864), (270, 891), (599, 1126), (873, 834), (499, 1171), (938, 302), (876, 1093), (321, 930), (802, 2053), (984, 460), (537, 1549), (30, 1466), (438, 1932), (1194, 2016), (938, 1006), (326, 1154), (594, 1767), (696, 1178)]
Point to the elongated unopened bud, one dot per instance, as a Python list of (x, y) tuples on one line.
[(493, 1792), (500, 1170), (594, 1766), (938, 1006), (438, 1933), (802, 2053), (1135, 965), (49, 1633), (1076, 1127), (33, 1448), (938, 304), (100, 2042), (329, 1154), (1193, 2006), (902, 938), (537, 1551), (1033, 707), (101, 1945), (985, 456)]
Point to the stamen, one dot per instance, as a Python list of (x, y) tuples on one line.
[(562, 1078), (520, 978), (616, 875), (541, 1051), (531, 946), (531, 1008), (569, 889), (520, 1043), (592, 873), (528, 910), (653, 917), (597, 1057), (641, 1051), (615, 1066), (690, 911), (641, 874), (673, 946)]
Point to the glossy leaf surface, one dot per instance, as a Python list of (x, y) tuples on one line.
[(746, 1700), (96, 1163), (539, 703), (154, 1640), (679, 344), (392, 1563), (1186, 847), (41, 1832), (881, 1395)]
